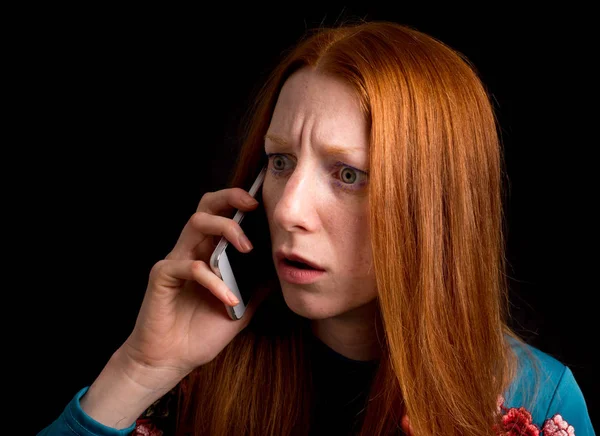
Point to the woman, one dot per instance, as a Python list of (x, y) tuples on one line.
[(384, 177)]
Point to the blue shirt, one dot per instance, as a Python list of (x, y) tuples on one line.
[(559, 399)]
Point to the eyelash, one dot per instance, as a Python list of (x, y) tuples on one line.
[(337, 166)]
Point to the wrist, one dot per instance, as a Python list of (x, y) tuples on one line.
[(148, 376), (125, 389)]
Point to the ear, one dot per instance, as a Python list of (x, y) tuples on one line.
[(406, 427)]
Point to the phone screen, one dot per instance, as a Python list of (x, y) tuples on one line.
[(250, 269)]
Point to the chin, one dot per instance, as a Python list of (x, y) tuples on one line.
[(310, 305)]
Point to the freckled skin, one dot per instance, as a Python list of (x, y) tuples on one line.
[(311, 214)]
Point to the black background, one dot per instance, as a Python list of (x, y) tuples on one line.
[(123, 118)]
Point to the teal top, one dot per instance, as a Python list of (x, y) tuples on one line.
[(559, 405), (559, 401)]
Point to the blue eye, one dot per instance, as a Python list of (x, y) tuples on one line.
[(347, 178)]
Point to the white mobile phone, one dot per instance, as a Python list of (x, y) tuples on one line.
[(241, 271)]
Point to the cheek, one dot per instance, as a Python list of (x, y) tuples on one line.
[(355, 243), (269, 197)]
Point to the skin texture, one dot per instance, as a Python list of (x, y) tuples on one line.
[(318, 208)]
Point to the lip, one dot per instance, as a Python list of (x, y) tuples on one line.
[(295, 275), (281, 256)]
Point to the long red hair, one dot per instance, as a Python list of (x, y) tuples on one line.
[(436, 223)]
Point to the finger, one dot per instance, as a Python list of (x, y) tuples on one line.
[(225, 200), (200, 228), (223, 203), (172, 273)]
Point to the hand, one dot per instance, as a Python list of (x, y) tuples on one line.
[(182, 322)]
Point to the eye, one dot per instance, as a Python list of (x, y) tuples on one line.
[(348, 175), (278, 163), (350, 178)]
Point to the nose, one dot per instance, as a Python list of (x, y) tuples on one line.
[(296, 210)]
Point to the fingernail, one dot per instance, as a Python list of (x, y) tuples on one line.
[(250, 201), (245, 242), (232, 298)]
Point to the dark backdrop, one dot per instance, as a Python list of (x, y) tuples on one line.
[(124, 118)]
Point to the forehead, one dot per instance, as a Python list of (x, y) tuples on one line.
[(322, 106)]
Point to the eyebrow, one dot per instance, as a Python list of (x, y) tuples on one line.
[(330, 149)]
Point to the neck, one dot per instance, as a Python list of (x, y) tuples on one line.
[(352, 334)]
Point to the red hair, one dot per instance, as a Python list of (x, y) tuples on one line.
[(435, 198)]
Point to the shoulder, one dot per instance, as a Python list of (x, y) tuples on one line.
[(545, 394)]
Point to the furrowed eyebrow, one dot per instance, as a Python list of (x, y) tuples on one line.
[(330, 149)]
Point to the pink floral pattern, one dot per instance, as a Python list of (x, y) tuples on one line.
[(518, 422), (557, 426), (145, 427)]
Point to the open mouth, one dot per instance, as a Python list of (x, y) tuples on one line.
[(296, 264), (298, 272)]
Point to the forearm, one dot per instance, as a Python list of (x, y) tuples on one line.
[(123, 391)]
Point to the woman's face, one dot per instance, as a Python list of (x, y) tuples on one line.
[(315, 195)]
